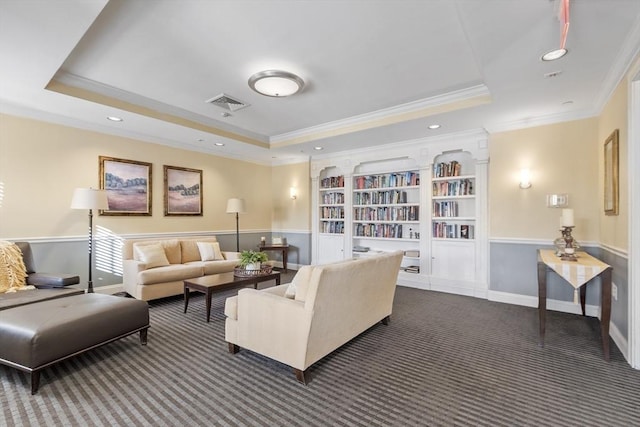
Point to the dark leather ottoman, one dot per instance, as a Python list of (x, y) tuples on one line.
[(38, 335)]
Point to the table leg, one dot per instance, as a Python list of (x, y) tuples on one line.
[(186, 298), (278, 280), (583, 297), (605, 305), (542, 300), (209, 293), (285, 253)]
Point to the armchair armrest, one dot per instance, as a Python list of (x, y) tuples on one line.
[(274, 326), (231, 255), (130, 270)]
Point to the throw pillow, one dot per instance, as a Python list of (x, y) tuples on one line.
[(209, 251), (300, 280), (152, 255), (12, 268)]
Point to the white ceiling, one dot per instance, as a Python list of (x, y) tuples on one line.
[(376, 72)]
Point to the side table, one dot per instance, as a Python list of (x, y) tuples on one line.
[(282, 248), (578, 274)]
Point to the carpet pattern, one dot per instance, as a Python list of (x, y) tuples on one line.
[(443, 360)]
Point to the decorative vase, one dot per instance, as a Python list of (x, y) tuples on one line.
[(253, 266)]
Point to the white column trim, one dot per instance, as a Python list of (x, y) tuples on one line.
[(633, 145)]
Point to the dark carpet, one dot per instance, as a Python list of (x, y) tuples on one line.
[(443, 360)]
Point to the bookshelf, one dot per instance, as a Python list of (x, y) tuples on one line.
[(453, 218), (386, 214), (331, 205)]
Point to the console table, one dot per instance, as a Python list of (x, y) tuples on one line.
[(578, 274), (282, 248)]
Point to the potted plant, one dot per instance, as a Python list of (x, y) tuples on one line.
[(252, 260)]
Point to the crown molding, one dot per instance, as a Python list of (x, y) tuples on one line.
[(624, 60), (541, 121), (479, 93), (56, 119)]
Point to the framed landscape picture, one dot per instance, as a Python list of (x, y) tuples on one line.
[(128, 185), (182, 191), (611, 174)]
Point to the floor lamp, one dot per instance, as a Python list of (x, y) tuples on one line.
[(90, 198), (236, 206)]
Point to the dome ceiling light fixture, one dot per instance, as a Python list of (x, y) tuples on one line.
[(275, 83)]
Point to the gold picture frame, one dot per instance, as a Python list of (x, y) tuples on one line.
[(128, 185), (611, 174), (182, 191)]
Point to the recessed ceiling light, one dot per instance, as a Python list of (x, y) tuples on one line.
[(276, 83), (434, 126), (318, 148), (200, 140), (114, 118), (220, 144), (567, 103), (225, 114), (554, 54)]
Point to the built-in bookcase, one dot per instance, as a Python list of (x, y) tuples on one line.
[(331, 205), (453, 198), (386, 211), (427, 198)]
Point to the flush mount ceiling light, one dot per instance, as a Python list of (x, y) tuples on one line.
[(432, 127), (114, 118), (318, 148), (219, 144), (276, 83)]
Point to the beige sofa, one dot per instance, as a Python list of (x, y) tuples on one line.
[(324, 307), (147, 275)]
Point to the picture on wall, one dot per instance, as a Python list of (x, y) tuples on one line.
[(182, 191), (611, 174), (128, 185)]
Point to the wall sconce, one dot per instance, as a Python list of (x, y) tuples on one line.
[(293, 193), (525, 179)]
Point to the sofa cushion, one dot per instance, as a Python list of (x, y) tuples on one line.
[(209, 251), (219, 266), (171, 248), (189, 248), (151, 255), (169, 273)]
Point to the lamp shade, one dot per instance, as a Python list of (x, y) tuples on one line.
[(89, 198), (236, 206)]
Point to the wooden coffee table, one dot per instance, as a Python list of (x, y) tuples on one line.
[(221, 282)]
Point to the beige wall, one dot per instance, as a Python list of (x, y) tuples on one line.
[(614, 230), (291, 214), (562, 159), (41, 164)]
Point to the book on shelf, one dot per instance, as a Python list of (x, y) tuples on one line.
[(332, 182), (412, 269)]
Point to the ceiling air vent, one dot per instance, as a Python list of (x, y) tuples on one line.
[(226, 102)]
